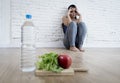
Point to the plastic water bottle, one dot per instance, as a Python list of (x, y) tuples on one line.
[(28, 50)]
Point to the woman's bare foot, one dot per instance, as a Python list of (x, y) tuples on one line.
[(81, 50), (73, 48)]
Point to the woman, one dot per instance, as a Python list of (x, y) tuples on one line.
[(74, 29)]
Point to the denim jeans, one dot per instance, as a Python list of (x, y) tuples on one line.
[(75, 35)]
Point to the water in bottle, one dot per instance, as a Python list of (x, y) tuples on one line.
[(28, 50)]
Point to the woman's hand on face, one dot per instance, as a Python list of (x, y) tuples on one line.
[(68, 13), (80, 18)]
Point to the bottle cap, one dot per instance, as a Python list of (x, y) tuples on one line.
[(28, 16)]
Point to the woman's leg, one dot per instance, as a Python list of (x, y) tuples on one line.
[(81, 34), (70, 36)]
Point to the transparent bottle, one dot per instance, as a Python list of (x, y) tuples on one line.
[(28, 49)]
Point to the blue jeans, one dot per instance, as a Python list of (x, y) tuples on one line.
[(75, 35)]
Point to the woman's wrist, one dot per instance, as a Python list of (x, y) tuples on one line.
[(69, 18), (79, 21)]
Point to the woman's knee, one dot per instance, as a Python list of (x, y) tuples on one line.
[(73, 24), (82, 26)]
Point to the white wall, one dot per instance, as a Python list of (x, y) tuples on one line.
[(4, 23), (102, 18)]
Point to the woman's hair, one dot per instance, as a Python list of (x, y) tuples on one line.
[(72, 6)]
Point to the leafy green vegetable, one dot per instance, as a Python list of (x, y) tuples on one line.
[(48, 62)]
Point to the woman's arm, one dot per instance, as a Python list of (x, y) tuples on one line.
[(65, 20), (68, 16), (64, 24), (80, 18)]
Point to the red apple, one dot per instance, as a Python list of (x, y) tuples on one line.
[(64, 61)]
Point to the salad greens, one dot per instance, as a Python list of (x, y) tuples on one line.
[(48, 62)]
